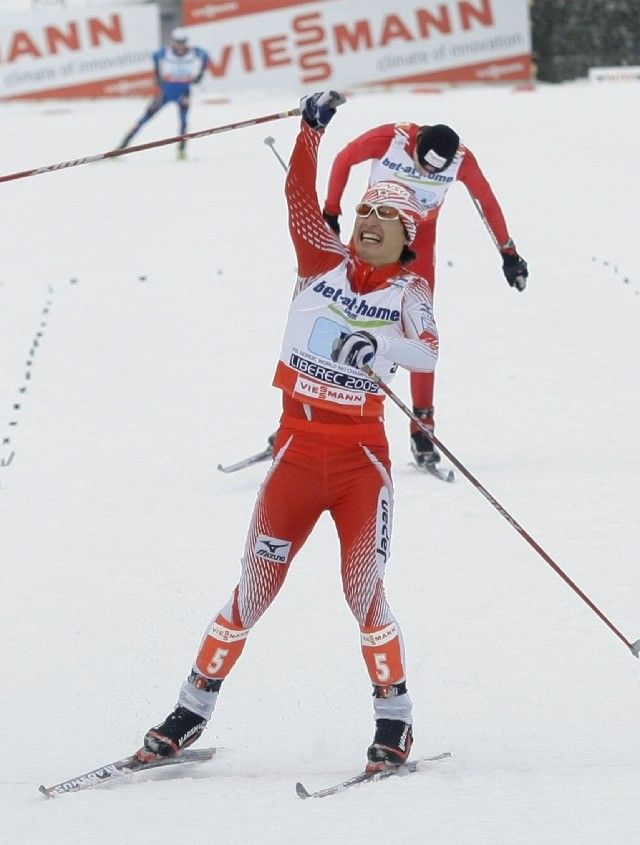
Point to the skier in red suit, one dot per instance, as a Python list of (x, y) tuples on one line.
[(353, 306), (428, 159)]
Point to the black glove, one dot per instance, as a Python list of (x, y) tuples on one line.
[(332, 221), (318, 109), (354, 350), (515, 270)]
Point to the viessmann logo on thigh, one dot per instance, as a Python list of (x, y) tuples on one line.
[(272, 548)]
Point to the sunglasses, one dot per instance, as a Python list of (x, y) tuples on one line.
[(382, 212)]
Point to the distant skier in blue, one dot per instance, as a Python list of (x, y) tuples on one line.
[(177, 67)]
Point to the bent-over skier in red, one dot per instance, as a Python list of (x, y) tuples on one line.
[(427, 159)]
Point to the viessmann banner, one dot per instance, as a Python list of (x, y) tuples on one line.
[(351, 43), (78, 52)]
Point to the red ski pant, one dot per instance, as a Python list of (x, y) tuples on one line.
[(312, 473), (424, 245)]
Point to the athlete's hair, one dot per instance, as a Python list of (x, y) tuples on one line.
[(407, 255)]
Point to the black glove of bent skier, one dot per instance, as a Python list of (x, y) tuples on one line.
[(515, 270), (318, 109), (354, 350)]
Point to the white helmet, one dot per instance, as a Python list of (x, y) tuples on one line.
[(179, 34)]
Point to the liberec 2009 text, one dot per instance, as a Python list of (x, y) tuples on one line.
[(329, 376)]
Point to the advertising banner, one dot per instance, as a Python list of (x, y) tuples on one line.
[(627, 73), (357, 43), (78, 51)]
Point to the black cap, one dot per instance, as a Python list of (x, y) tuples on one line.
[(442, 140)]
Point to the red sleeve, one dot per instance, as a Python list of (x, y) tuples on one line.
[(318, 249), (373, 144), (477, 185)]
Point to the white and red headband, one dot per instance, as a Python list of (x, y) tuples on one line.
[(397, 196)]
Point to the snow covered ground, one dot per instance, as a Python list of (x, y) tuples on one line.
[(156, 292)]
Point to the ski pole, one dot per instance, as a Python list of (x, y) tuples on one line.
[(493, 237), (633, 647), (486, 223), (271, 142), (64, 165)]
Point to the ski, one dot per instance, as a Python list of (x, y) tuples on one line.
[(439, 472), (265, 455), (123, 768), (369, 777), (436, 471)]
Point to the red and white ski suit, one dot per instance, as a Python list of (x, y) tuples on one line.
[(390, 148), (331, 452)]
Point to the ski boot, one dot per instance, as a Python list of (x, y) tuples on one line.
[(423, 450), (180, 729), (391, 745)]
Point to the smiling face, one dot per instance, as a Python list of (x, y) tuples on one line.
[(379, 241)]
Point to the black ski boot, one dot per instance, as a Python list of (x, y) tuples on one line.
[(391, 745), (180, 729), (423, 450)]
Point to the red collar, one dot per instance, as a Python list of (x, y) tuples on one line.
[(364, 277)]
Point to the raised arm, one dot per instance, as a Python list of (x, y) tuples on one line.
[(317, 248)]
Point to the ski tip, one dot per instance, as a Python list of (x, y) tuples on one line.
[(198, 754), (447, 475), (302, 791), (412, 765), (43, 789)]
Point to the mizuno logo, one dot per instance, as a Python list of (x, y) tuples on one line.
[(272, 548)]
